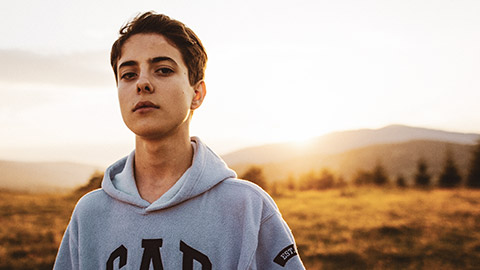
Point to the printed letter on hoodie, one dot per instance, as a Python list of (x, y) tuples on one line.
[(121, 253), (190, 254), (151, 254)]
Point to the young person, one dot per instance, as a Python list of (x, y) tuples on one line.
[(172, 203)]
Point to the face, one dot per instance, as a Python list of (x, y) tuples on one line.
[(155, 95)]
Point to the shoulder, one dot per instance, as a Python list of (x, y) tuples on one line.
[(246, 188), (242, 192), (91, 203)]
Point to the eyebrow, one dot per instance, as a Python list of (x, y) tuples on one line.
[(127, 64), (151, 61), (161, 59)]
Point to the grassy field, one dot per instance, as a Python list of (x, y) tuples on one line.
[(31, 228), (386, 229), (357, 228)]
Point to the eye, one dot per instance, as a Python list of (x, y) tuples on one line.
[(129, 75), (164, 71)]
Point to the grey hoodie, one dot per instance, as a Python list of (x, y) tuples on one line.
[(207, 220)]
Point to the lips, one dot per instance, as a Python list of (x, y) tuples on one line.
[(145, 105)]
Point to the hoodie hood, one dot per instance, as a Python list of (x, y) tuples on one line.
[(207, 171)]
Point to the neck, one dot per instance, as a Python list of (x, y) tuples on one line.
[(160, 163)]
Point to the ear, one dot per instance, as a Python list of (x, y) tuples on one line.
[(200, 93)]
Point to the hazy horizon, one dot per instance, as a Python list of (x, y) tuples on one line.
[(101, 155)]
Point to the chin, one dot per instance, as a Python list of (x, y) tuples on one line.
[(156, 133), (148, 133)]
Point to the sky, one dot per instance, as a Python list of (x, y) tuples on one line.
[(278, 71)]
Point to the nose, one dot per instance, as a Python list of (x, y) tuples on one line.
[(144, 85)]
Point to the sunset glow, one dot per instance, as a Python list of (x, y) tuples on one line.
[(331, 66)]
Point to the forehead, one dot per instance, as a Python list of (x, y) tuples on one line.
[(143, 47)]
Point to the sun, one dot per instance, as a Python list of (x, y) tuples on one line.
[(302, 143)]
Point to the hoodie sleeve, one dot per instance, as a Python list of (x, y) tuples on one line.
[(276, 246), (67, 256)]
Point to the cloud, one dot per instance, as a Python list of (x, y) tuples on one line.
[(90, 69)]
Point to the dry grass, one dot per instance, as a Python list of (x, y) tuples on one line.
[(386, 229), (31, 229), (356, 228)]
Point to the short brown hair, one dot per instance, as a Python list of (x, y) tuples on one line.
[(182, 37)]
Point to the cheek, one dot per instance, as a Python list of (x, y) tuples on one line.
[(187, 97), (123, 100), (180, 93), (188, 93)]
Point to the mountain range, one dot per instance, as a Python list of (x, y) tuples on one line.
[(396, 158), (342, 141), (396, 147)]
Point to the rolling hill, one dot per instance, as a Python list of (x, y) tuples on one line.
[(396, 158), (339, 142), (43, 176)]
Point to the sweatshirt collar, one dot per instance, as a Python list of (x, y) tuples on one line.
[(207, 170), (125, 181)]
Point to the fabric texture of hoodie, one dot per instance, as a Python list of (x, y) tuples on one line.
[(207, 220)]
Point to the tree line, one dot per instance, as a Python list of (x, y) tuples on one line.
[(449, 177)]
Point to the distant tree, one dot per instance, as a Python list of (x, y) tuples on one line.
[(449, 177), (401, 181), (317, 181), (363, 178), (307, 181), (274, 188), (379, 176), (473, 179), (255, 175), (291, 183), (93, 183), (341, 183), (326, 180), (422, 178)]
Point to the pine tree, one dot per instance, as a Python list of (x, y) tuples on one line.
[(379, 175), (401, 183), (422, 178), (473, 179), (450, 177)]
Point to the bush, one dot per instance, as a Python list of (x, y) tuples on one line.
[(363, 178), (255, 174), (312, 181)]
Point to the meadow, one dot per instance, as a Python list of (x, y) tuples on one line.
[(349, 228), (373, 228), (32, 227)]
